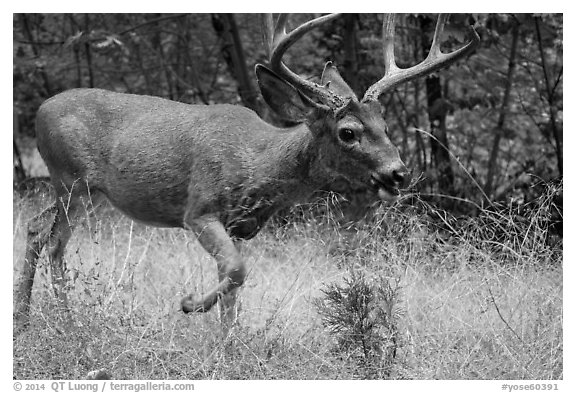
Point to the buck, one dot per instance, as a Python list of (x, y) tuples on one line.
[(218, 170)]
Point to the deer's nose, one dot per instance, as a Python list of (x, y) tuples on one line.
[(392, 179), (401, 176)]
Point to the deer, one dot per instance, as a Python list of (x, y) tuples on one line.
[(219, 171)]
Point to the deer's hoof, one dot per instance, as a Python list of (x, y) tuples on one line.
[(191, 304)]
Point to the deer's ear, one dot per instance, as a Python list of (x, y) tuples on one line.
[(282, 97)]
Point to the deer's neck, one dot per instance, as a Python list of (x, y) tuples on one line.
[(291, 164), (286, 170)]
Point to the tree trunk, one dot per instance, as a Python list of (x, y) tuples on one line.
[(551, 98), (439, 148), (88, 51), (437, 109), (48, 92), (499, 130), (227, 31), (350, 73), (421, 151), (158, 46), (19, 173)]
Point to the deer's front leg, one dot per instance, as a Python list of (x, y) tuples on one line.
[(231, 270)]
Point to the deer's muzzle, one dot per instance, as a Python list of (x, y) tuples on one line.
[(389, 183)]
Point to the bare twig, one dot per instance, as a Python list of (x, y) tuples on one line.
[(502, 317)]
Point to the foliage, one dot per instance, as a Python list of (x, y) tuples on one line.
[(362, 315), (182, 57)]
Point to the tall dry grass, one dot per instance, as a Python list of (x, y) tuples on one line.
[(479, 300)]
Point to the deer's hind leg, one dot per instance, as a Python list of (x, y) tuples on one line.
[(73, 205), (51, 229), (39, 229)]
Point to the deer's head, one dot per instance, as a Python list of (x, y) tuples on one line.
[(352, 134)]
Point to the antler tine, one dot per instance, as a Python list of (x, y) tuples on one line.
[(278, 41), (284, 40), (435, 47), (388, 28), (393, 76), (268, 32), (273, 32)]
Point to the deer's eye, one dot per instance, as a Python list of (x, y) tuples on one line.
[(346, 135)]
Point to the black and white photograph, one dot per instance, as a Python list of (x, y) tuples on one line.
[(305, 196)]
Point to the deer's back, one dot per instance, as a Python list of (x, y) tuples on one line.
[(144, 152)]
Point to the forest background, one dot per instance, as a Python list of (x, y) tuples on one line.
[(487, 129)]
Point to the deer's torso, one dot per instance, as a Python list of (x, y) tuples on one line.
[(166, 162)]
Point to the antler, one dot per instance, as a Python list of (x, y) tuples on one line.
[(393, 76), (278, 41)]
